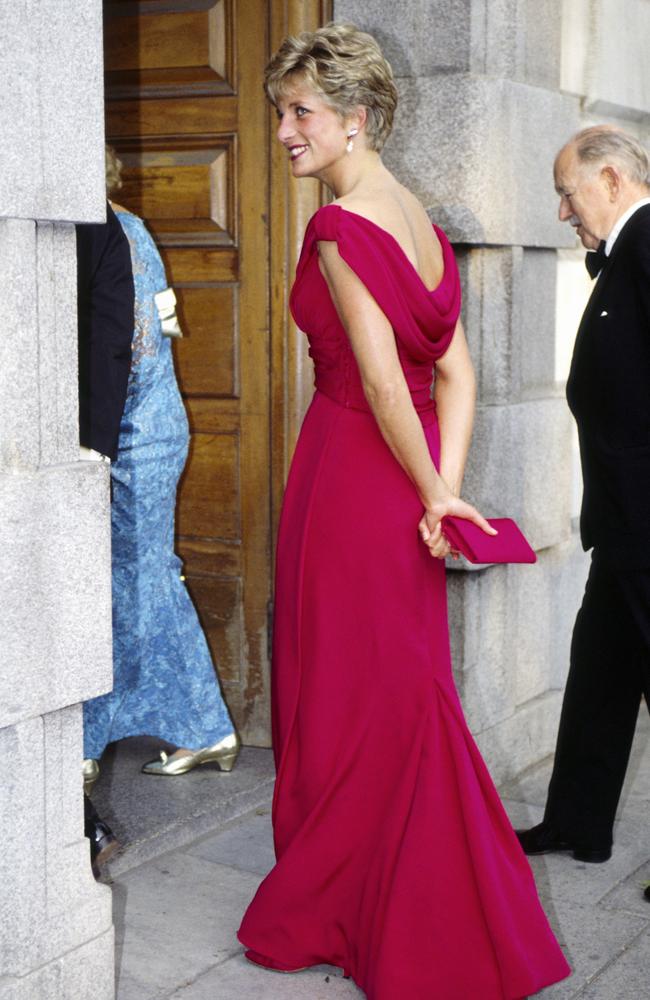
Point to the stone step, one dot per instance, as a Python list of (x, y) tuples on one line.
[(151, 815)]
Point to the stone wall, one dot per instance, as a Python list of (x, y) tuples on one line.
[(56, 937), (481, 116)]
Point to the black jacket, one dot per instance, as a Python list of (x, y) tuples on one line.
[(105, 302), (608, 391)]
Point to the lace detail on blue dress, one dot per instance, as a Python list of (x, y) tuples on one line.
[(164, 681)]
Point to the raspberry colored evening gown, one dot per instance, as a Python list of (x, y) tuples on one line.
[(395, 858)]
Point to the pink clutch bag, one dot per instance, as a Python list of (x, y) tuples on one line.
[(509, 546)]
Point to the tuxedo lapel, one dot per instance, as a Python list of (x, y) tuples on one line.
[(593, 301), (600, 285), (607, 391)]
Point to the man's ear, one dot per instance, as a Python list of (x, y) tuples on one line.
[(612, 180)]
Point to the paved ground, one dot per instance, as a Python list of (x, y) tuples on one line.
[(195, 861)]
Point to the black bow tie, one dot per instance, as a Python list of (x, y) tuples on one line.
[(595, 260)]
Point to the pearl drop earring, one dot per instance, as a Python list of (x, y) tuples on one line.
[(350, 144)]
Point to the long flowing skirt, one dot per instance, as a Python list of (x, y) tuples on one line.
[(395, 858), (164, 681)]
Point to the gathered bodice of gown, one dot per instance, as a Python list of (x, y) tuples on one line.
[(423, 320)]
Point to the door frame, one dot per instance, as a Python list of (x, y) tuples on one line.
[(292, 203)]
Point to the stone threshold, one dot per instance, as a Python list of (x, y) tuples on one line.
[(151, 815)]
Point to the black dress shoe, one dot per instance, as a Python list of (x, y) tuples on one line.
[(541, 839), (103, 842)]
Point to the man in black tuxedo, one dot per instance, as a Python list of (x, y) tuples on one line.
[(105, 307), (602, 177)]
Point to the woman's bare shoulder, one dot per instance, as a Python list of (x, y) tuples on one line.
[(369, 207), (395, 209)]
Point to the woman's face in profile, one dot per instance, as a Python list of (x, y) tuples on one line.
[(311, 131)]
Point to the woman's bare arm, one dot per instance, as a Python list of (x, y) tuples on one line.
[(373, 343), (455, 395)]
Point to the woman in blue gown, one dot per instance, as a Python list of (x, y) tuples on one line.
[(164, 681)]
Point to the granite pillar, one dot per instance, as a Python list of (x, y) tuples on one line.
[(56, 935)]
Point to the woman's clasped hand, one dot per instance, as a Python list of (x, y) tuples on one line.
[(430, 526)]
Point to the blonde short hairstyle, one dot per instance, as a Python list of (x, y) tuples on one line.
[(113, 171), (345, 66)]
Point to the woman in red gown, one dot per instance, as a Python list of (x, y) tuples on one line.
[(395, 859)]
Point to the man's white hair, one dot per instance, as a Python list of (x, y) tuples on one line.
[(602, 144)]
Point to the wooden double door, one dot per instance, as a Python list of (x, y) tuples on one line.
[(186, 113)]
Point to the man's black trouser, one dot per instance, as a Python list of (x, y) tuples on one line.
[(609, 671)]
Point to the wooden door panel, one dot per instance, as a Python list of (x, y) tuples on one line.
[(163, 43), (200, 265), (210, 501), (219, 560), (221, 603), (184, 191), (153, 117), (186, 115), (206, 358), (152, 45)]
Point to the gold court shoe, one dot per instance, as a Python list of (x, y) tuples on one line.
[(224, 753), (90, 771)]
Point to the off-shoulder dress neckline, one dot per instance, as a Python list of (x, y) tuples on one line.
[(400, 249)]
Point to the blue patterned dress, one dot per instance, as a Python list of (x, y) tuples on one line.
[(164, 682)]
